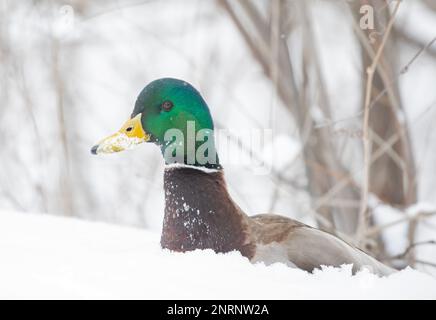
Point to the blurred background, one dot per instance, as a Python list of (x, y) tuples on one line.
[(70, 72)]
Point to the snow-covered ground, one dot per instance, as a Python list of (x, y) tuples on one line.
[(50, 257)]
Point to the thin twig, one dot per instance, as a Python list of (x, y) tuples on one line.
[(411, 247), (363, 216), (427, 263), (377, 229), (403, 71)]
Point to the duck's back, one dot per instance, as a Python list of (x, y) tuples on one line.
[(280, 239)]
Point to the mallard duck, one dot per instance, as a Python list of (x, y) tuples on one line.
[(199, 211)]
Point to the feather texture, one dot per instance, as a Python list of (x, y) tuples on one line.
[(200, 214)]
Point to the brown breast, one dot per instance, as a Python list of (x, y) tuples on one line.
[(200, 214)]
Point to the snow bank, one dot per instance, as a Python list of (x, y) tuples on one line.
[(51, 257)]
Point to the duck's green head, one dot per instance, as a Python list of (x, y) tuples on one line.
[(172, 114)]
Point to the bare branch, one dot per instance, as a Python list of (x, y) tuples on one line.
[(363, 213)]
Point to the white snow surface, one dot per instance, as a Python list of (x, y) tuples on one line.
[(49, 257)]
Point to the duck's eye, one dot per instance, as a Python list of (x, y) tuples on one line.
[(167, 105), (129, 129)]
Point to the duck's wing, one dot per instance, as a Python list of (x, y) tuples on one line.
[(280, 239)]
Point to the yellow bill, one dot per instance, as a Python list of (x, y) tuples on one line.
[(130, 135)]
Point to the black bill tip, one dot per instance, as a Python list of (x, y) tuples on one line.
[(94, 149)]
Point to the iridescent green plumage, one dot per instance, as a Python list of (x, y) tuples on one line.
[(189, 108)]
